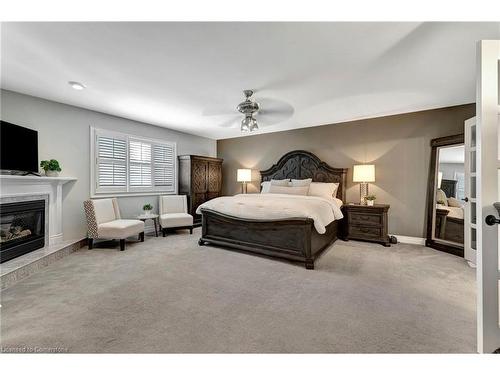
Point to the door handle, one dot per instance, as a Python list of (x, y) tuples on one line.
[(491, 219), (465, 199)]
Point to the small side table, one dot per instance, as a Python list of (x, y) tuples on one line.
[(154, 217), (366, 223)]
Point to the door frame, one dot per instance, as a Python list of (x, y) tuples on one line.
[(488, 165)]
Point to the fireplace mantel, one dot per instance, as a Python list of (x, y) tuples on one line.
[(7, 178), (13, 186)]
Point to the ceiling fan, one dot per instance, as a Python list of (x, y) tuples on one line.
[(267, 111), (248, 107)]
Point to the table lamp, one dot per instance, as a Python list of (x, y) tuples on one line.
[(244, 176), (363, 173)]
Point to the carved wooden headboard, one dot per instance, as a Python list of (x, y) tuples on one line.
[(303, 164)]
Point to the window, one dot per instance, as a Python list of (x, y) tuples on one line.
[(126, 164), (140, 163), (460, 177)]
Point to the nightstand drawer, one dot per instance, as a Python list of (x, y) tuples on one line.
[(365, 219), (365, 223), (363, 232)]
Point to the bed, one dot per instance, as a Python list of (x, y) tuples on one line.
[(293, 238)]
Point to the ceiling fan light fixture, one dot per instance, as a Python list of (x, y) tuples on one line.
[(254, 126), (246, 123)]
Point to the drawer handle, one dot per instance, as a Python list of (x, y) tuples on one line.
[(364, 218), (365, 230)]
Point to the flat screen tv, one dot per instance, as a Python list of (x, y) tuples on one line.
[(18, 148)]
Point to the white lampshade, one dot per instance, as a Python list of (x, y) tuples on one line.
[(440, 178), (244, 175), (363, 173)]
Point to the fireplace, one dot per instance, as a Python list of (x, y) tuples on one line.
[(22, 228)]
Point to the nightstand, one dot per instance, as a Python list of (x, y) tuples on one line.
[(365, 223)]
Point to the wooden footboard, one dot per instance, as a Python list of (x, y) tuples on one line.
[(294, 239)]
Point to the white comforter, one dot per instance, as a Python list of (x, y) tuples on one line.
[(277, 206)]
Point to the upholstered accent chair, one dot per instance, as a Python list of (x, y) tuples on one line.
[(174, 213), (104, 222)]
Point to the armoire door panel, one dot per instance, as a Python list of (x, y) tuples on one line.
[(214, 177), (199, 176)]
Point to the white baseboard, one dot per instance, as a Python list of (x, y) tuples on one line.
[(410, 240)]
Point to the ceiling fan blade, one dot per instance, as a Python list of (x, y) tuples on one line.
[(274, 105), (223, 111), (273, 111), (231, 123)]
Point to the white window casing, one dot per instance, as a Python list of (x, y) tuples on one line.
[(124, 164)]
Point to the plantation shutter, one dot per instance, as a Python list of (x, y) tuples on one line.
[(140, 171), (111, 163), (126, 164), (164, 166)]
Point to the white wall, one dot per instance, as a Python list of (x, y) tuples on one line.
[(64, 134)]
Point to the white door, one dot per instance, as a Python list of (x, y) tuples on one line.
[(470, 202), (488, 192)]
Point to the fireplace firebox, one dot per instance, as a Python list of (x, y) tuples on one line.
[(22, 228)]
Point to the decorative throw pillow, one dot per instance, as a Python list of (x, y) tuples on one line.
[(304, 182), (454, 202), (293, 190), (285, 182), (441, 197), (326, 190), (266, 185)]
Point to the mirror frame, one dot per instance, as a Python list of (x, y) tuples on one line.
[(436, 143)]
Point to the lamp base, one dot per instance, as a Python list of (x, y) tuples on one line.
[(363, 192), (243, 188)]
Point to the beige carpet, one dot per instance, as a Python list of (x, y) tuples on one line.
[(170, 295)]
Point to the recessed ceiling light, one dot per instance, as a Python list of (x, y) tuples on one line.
[(76, 85)]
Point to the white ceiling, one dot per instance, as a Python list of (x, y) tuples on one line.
[(181, 75), (454, 154)]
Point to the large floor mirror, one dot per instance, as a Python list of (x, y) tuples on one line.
[(446, 195)]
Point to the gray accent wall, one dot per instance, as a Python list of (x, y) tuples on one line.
[(399, 146), (64, 134)]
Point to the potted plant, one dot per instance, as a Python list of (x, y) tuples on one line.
[(370, 200), (51, 167), (147, 208)]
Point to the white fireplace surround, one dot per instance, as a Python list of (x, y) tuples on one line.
[(21, 188)]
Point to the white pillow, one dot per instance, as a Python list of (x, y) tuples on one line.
[(293, 190), (441, 197), (266, 185), (285, 182), (326, 190), (454, 202), (304, 182)]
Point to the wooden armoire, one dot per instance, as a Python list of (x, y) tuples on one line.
[(200, 178)]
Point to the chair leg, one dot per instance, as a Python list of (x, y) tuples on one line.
[(191, 230), (90, 243), (141, 236), (164, 232), (122, 245)]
